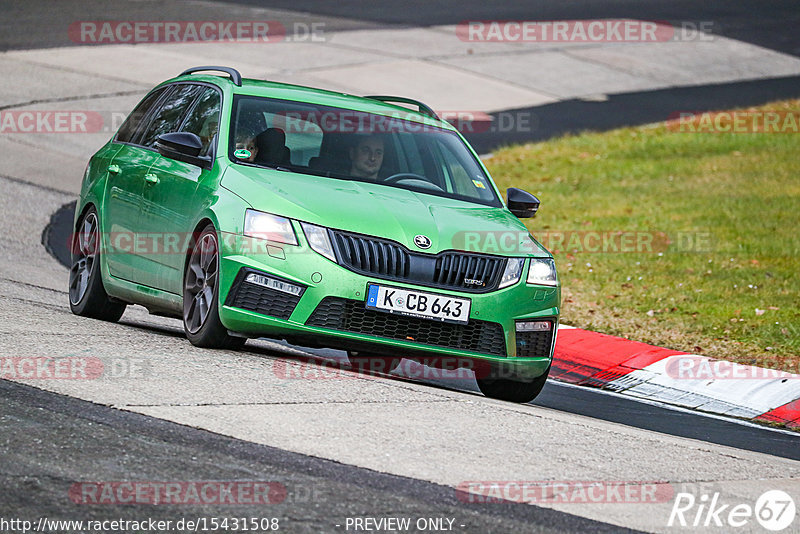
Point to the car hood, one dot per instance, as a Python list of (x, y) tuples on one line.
[(383, 211)]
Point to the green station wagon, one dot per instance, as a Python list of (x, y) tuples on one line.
[(257, 209)]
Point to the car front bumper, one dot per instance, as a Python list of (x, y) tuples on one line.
[(330, 311)]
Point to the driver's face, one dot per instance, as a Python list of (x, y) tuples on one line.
[(367, 158)]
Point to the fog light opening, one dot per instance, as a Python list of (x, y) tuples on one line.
[(273, 283), (534, 326)]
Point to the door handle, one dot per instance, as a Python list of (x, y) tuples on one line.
[(114, 169), (151, 178)]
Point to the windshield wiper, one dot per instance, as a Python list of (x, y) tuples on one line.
[(273, 167)]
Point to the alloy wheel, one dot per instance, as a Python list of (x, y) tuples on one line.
[(84, 254), (201, 280)]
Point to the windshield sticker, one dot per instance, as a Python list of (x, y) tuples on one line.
[(478, 184), (242, 153)]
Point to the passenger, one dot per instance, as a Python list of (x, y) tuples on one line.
[(366, 157), (247, 141)]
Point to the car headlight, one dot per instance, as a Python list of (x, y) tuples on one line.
[(319, 240), (542, 271), (268, 226), (512, 273)]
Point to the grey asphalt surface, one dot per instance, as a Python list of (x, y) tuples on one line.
[(50, 442), (769, 24), (592, 403), (44, 23), (629, 109), (772, 24)]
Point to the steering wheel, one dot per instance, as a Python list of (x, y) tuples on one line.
[(411, 179), (393, 179)]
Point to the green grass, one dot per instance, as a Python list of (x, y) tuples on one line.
[(738, 192)]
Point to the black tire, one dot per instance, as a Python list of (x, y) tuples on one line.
[(87, 296), (201, 296), (512, 390), (372, 363)]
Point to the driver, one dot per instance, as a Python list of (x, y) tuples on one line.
[(367, 157)]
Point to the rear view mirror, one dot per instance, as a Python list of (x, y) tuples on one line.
[(521, 203), (183, 146)]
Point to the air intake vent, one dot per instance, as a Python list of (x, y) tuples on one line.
[(351, 316)]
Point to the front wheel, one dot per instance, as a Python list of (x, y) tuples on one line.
[(512, 390), (201, 295), (87, 296)]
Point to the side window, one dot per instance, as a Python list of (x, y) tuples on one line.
[(203, 120), (169, 117), (131, 124)]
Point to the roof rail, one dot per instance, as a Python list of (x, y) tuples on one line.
[(423, 108), (236, 78)]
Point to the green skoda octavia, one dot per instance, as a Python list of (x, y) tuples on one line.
[(257, 209)]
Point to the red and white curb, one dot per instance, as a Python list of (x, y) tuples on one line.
[(677, 378)]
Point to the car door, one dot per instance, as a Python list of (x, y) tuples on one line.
[(121, 212), (172, 202), (167, 116)]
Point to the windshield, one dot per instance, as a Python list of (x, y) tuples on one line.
[(353, 145)]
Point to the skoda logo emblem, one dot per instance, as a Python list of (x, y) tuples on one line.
[(422, 241)]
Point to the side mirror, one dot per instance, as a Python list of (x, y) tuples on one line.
[(183, 146), (521, 203)]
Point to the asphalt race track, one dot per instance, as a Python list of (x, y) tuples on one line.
[(340, 444), (59, 439)]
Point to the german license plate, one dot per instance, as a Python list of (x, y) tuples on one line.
[(418, 304)]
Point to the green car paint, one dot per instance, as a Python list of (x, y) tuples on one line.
[(141, 195)]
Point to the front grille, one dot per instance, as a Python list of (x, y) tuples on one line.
[(374, 256), (453, 268), (351, 316), (533, 344), (260, 299), (474, 273)]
